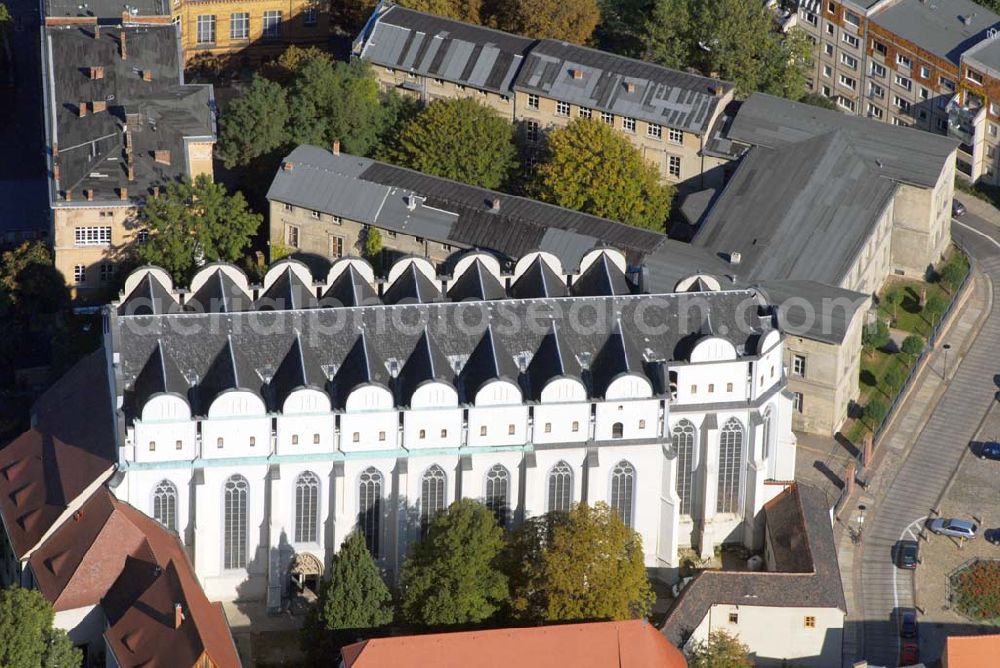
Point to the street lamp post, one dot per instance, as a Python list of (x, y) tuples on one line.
[(946, 347), (861, 519)]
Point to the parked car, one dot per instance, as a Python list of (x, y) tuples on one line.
[(909, 653), (992, 536), (907, 554), (990, 450), (908, 624), (953, 527), (957, 208)]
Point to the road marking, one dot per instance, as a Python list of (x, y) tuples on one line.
[(975, 231), (895, 572)]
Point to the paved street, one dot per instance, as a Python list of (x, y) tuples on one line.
[(924, 474)]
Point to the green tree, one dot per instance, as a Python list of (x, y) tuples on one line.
[(194, 220), (291, 61), (351, 15), (818, 100), (458, 139), (253, 124), (4, 15), (462, 10), (622, 26), (354, 598), (935, 307), (952, 275), (875, 411), (894, 298), (584, 564), (30, 284), (591, 168), (893, 378), (666, 35), (27, 639), (721, 650), (913, 345), (565, 20), (452, 575), (875, 335), (373, 244)]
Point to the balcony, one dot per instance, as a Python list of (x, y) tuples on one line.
[(963, 120)]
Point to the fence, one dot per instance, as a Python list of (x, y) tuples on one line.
[(932, 339)]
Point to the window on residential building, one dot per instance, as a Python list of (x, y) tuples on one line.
[(608, 118), (178, 445), (337, 246), (253, 441), (622, 488), (531, 130), (694, 389), (107, 272), (852, 18), (874, 90), (585, 112), (850, 40), (730, 464), (315, 439), (878, 47), (849, 60), (560, 488), (310, 16), (683, 443), (845, 103), (848, 82), (799, 365), (307, 508), (152, 446), (827, 71), (809, 622), (576, 426), (944, 82), (903, 61), (925, 72), (628, 124), (992, 129), (878, 70), (974, 76), (381, 436), (901, 103), (674, 166), (532, 101), (995, 108), (219, 442), (924, 94), (165, 504), (826, 91), (287, 208), (234, 530), (356, 437), (206, 29), (444, 433), (654, 131), (239, 25), (562, 108), (676, 136), (828, 48), (422, 434), (900, 122), (830, 30), (642, 424), (797, 401), (432, 494), (942, 125), (370, 508), (92, 236), (810, 18), (292, 236), (272, 24), (497, 497), (903, 82), (734, 618), (874, 111)]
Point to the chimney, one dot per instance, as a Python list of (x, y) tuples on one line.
[(495, 204), (156, 192), (718, 91), (55, 172), (96, 72), (123, 193), (288, 166), (735, 257), (97, 31), (147, 75), (90, 194), (161, 156), (82, 109), (577, 74), (630, 86), (336, 147), (68, 195), (121, 43), (178, 615), (98, 105), (131, 172)]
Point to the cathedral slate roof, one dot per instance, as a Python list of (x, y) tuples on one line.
[(412, 287), (288, 290), (538, 280), (476, 282), (602, 277), (350, 289), (219, 294)]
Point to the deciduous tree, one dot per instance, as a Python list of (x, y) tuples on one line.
[(254, 123), (721, 650), (817, 100), (584, 564), (291, 61), (590, 167), (29, 283), (952, 275), (875, 335), (458, 139), (354, 598), (27, 639), (875, 411), (935, 307), (913, 345), (566, 20), (452, 575), (667, 33), (194, 220), (462, 10)]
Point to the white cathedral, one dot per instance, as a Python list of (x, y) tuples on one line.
[(265, 423)]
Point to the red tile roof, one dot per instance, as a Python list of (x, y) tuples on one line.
[(70, 447), (970, 651), (629, 644)]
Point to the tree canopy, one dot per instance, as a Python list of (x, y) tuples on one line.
[(452, 575), (721, 650), (27, 639), (196, 220), (254, 124), (29, 282), (584, 564), (353, 598), (462, 10), (566, 20), (591, 168), (457, 139)]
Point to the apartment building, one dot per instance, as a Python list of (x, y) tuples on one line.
[(120, 124), (974, 114), (543, 84)]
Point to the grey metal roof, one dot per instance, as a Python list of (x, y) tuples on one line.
[(165, 112), (106, 9), (905, 154), (803, 211), (567, 245), (799, 516), (813, 310), (659, 95), (985, 55), (403, 200), (358, 345), (445, 49), (938, 26)]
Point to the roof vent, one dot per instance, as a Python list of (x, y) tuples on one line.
[(96, 72), (288, 166), (735, 257), (630, 86), (967, 20), (577, 73), (880, 164), (412, 201), (495, 204)]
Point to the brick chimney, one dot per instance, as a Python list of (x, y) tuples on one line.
[(96, 72), (68, 195), (156, 192), (288, 166), (178, 615), (123, 193), (82, 109), (131, 172), (121, 43), (147, 75), (162, 156), (630, 86), (98, 105), (336, 147), (90, 194)]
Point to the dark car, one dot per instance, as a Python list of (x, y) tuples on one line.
[(907, 554), (909, 653), (990, 450), (992, 536), (957, 208), (908, 624)]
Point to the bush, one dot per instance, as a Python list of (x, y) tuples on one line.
[(952, 275), (935, 307), (875, 335), (893, 378), (977, 590), (913, 345), (875, 411)]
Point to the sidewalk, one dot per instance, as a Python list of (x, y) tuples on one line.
[(894, 445)]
